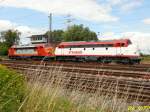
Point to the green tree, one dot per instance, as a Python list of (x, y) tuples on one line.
[(10, 37), (56, 35), (3, 49), (79, 33)]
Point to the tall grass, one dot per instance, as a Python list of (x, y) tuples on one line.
[(12, 90), (49, 99), (51, 92)]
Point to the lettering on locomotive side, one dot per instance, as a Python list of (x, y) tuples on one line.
[(75, 52)]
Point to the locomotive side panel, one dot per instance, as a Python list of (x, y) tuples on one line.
[(25, 51), (87, 51), (30, 52), (131, 50)]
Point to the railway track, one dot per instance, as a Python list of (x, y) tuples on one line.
[(133, 89), (100, 71), (133, 84), (143, 67)]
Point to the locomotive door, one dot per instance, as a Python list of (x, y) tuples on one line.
[(62, 51), (118, 49)]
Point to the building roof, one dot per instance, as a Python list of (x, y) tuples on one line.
[(38, 36)]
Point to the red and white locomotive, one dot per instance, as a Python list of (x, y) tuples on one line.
[(119, 51)]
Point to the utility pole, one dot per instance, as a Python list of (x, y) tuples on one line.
[(50, 29)]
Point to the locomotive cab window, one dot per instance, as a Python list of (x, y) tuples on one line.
[(106, 48), (61, 46), (122, 44), (129, 42)]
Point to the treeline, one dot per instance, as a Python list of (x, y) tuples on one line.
[(73, 33), (8, 38)]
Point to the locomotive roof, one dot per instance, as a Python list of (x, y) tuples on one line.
[(23, 46), (94, 43)]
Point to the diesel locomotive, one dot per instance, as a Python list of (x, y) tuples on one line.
[(118, 51)]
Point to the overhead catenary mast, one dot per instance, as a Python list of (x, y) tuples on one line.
[(69, 20), (50, 29)]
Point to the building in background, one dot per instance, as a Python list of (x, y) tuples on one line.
[(38, 39)]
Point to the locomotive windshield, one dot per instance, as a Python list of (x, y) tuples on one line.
[(129, 42)]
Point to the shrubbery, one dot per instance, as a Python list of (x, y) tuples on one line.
[(3, 49), (12, 90)]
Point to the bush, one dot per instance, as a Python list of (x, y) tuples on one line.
[(3, 49), (12, 90)]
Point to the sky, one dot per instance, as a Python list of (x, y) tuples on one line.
[(110, 19)]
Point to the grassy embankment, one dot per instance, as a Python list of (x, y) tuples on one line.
[(12, 90), (49, 97), (146, 59), (3, 57)]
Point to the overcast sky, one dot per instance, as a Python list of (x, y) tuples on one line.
[(112, 18)]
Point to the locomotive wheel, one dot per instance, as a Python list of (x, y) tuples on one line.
[(104, 60), (82, 60)]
